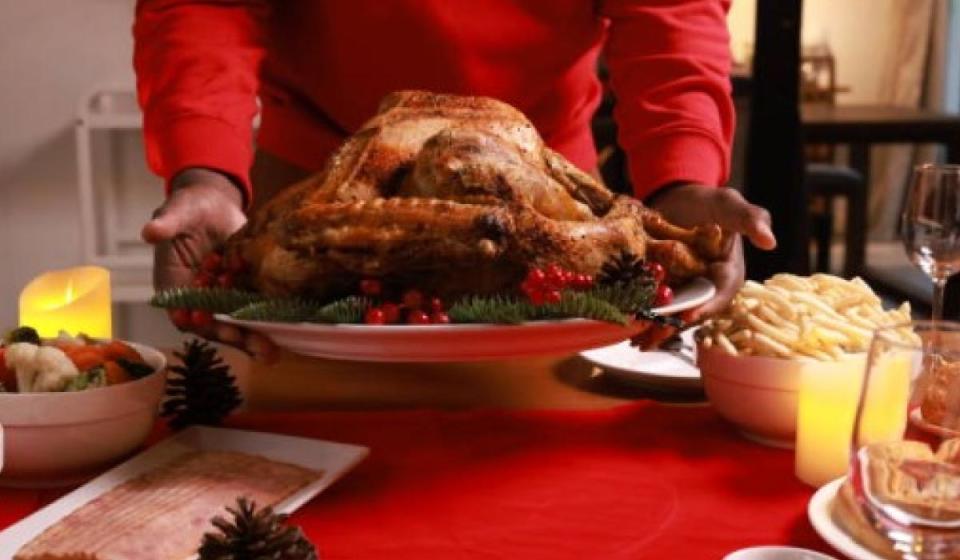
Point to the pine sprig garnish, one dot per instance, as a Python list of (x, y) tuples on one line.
[(201, 390), (584, 305), (498, 309), (629, 297), (296, 310), (255, 534), (346, 310), (491, 309), (293, 310), (214, 300)]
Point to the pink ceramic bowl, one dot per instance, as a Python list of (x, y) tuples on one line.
[(56, 439), (759, 394)]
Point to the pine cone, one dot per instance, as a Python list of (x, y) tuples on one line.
[(201, 391), (622, 269), (255, 534)]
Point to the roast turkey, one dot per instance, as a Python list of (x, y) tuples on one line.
[(452, 195)]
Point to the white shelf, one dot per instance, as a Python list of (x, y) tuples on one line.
[(109, 109), (112, 122)]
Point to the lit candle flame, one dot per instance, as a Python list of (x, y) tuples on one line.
[(76, 300), (69, 294)]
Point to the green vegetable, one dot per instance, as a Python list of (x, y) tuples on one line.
[(23, 334), (136, 370), (90, 379)]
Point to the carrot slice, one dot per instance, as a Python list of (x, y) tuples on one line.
[(85, 357), (115, 374), (119, 349)]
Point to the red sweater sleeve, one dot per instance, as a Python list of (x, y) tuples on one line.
[(669, 64), (197, 65)]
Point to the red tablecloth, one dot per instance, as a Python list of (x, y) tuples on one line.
[(640, 481)]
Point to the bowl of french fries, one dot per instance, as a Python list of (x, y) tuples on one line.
[(752, 355)]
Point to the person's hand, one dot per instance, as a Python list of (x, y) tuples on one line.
[(690, 204), (204, 208)]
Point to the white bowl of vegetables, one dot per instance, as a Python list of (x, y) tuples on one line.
[(70, 407)]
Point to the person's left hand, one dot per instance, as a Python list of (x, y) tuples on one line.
[(689, 205)]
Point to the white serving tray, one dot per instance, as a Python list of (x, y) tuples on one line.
[(334, 459), (460, 342)]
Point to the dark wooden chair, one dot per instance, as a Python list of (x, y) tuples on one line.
[(825, 181)]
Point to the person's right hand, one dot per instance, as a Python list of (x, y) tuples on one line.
[(204, 208)]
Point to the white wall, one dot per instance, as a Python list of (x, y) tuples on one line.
[(52, 52), (858, 32)]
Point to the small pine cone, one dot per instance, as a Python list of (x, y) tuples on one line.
[(255, 534), (622, 268), (201, 391)]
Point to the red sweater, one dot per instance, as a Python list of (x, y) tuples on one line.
[(321, 66)]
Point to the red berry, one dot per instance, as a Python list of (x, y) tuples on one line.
[(202, 280), (412, 299), (555, 276), (201, 319), (535, 277), (439, 318), (582, 282), (225, 280), (211, 263), (417, 317), (656, 271), (536, 298), (391, 312), (528, 287), (436, 304), (370, 287), (375, 316), (234, 264), (664, 296), (180, 318), (552, 296)]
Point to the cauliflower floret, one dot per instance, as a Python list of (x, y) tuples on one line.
[(20, 357), (40, 368)]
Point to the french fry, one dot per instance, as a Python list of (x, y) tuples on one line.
[(768, 343), (727, 346), (822, 317)]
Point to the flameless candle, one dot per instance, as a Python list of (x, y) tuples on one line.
[(826, 409), (76, 300)]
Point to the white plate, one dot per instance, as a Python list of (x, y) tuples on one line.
[(819, 513), (776, 553), (459, 343), (671, 370), (334, 459)]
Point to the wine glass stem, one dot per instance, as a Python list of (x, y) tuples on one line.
[(939, 286)]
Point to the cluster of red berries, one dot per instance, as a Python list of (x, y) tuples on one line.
[(546, 285), (413, 308), (664, 294), (214, 271)]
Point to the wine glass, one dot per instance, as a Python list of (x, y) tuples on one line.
[(931, 225), (902, 495)]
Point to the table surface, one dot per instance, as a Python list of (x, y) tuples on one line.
[(819, 114), (536, 458), (874, 124)]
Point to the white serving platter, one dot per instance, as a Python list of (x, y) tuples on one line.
[(334, 459), (460, 343)]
